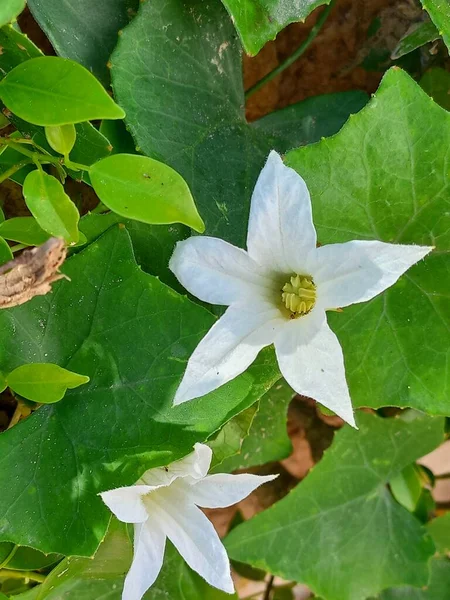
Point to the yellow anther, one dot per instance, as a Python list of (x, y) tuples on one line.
[(299, 295)]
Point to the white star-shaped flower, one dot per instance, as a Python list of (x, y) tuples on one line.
[(164, 504), (278, 291)]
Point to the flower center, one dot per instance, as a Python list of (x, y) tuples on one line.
[(299, 295)]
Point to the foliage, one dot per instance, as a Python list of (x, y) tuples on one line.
[(134, 137)]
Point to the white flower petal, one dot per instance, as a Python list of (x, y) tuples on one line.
[(149, 544), (357, 271), (217, 272), (310, 359), (228, 348), (281, 231), (193, 466), (126, 503), (222, 489), (194, 536)]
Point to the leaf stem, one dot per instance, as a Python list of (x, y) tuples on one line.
[(8, 573), (9, 557), (18, 247), (269, 588), (9, 172), (296, 55)]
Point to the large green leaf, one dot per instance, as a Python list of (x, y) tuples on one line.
[(439, 11), (385, 176), (185, 106), (258, 22), (84, 31), (132, 336), (437, 589), (342, 518)]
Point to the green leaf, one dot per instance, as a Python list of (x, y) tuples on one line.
[(418, 35), (138, 187), (406, 487), (61, 138), (437, 588), (439, 530), (84, 31), (230, 438), (5, 251), (16, 49), (384, 176), (43, 382), (56, 91), (119, 137), (268, 439), (343, 503), (9, 10), (24, 230), (185, 107), (108, 432), (436, 83), (439, 11), (258, 22), (51, 206), (3, 386)]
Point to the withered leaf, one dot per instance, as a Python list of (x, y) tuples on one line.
[(32, 273)]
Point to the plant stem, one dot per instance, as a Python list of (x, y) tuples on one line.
[(7, 174), (18, 247), (7, 573), (296, 55), (269, 588), (9, 557)]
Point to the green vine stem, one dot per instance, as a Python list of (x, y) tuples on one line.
[(296, 55), (9, 557), (10, 574), (9, 172)]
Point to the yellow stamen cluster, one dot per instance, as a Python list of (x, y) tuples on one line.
[(299, 295)]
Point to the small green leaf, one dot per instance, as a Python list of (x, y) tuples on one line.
[(51, 206), (439, 530), (2, 215), (439, 11), (43, 382), (56, 91), (5, 252), (24, 230), (144, 189), (61, 138), (418, 35), (9, 9), (436, 83), (268, 439), (436, 589), (406, 487), (230, 438)]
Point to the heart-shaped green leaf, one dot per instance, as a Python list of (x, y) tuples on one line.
[(345, 505), (43, 382), (185, 106), (138, 187), (132, 336), (49, 90), (384, 176), (51, 206)]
